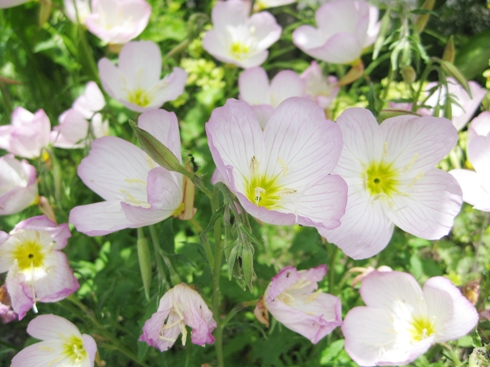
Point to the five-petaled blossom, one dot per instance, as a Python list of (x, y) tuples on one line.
[(37, 269), (81, 123), (345, 28), (179, 307), (27, 135), (322, 90), (294, 299), (463, 106), (254, 88), (281, 175), (136, 81), (18, 185), (237, 38), (118, 21), (401, 321), (389, 169), (137, 191), (62, 345), (476, 184)]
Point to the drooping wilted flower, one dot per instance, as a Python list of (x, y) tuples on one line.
[(476, 184), (82, 123), (136, 190), (62, 345), (345, 28), (18, 185), (181, 306), (37, 269), (389, 169), (254, 88), (237, 38), (281, 175), (321, 89), (136, 82), (27, 135), (294, 299), (401, 321), (118, 21)]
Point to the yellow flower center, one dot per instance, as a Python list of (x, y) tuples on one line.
[(421, 328), (139, 97), (381, 178), (264, 190), (29, 255), (74, 349), (239, 50)]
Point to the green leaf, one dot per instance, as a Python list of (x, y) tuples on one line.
[(158, 151)]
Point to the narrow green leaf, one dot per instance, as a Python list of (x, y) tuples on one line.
[(158, 151)]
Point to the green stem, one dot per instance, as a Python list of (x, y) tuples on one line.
[(390, 79), (177, 49), (218, 256), (451, 354), (424, 76), (331, 269), (156, 247), (88, 56)]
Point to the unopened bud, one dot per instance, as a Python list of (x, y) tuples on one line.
[(44, 11), (356, 72), (409, 75), (47, 210), (449, 51), (422, 19)]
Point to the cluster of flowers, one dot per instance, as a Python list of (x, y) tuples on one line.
[(352, 180)]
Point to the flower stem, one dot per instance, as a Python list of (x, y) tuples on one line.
[(218, 256), (156, 247), (331, 268)]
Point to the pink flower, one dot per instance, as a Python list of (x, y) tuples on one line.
[(62, 345), (37, 269), (179, 307), (77, 10), (81, 124), (136, 82), (401, 321), (237, 38), (463, 106), (18, 186), (281, 175), (118, 21), (322, 90), (137, 192), (389, 169), (27, 135), (294, 299), (476, 184), (254, 88), (345, 28)]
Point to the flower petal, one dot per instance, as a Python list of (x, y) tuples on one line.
[(169, 88), (111, 79), (417, 144), (46, 327), (286, 84), (299, 136), (365, 229), (116, 169), (429, 207), (99, 219), (141, 64), (454, 316), (253, 85), (474, 192)]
